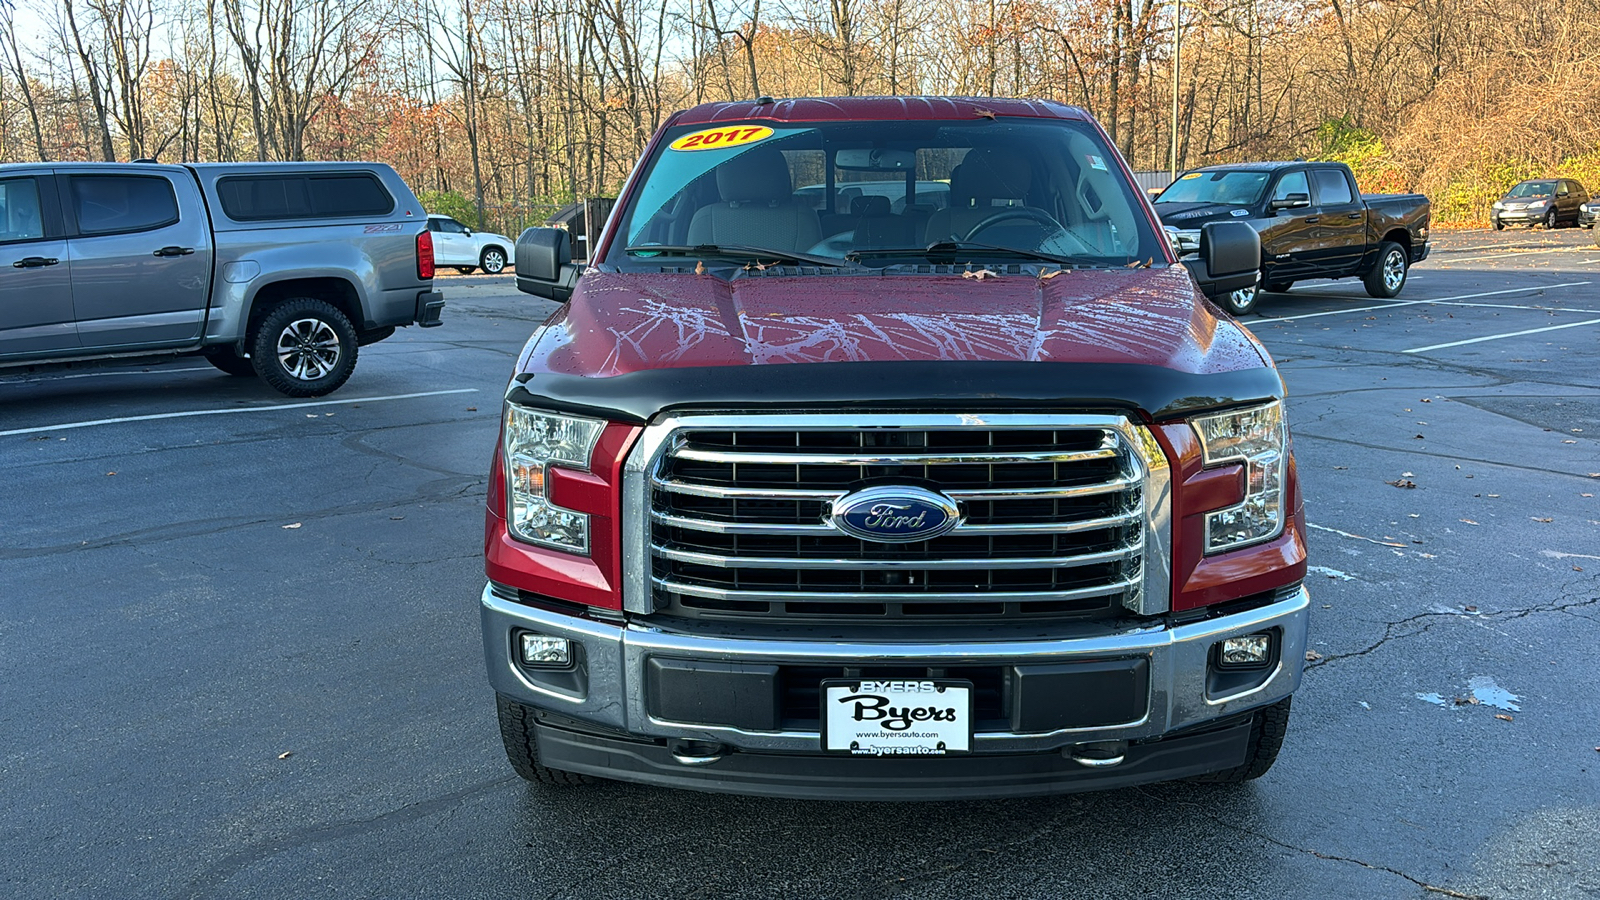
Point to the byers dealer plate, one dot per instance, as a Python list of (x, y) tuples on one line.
[(928, 717)]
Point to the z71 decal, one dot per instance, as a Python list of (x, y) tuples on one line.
[(718, 138)]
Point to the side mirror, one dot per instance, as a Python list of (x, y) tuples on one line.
[(1291, 201), (544, 264), (466, 231), (1229, 258)]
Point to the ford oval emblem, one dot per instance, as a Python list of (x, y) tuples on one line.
[(895, 515)]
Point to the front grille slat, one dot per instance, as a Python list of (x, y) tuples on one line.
[(737, 523)]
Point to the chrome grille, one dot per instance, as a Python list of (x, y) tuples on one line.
[(1059, 517)]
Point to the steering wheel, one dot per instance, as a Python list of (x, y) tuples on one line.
[(1029, 213)]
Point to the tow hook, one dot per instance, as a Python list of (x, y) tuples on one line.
[(696, 753), (1099, 755)]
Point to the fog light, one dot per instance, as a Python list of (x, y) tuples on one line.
[(543, 650), (1245, 651)]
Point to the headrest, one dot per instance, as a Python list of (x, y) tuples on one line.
[(755, 176), (990, 174), (873, 207)]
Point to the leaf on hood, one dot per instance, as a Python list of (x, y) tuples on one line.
[(979, 112), (699, 267)]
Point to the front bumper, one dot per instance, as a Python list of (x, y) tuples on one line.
[(604, 716), (1586, 217), (1529, 216)]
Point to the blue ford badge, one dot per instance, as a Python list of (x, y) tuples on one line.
[(895, 515)]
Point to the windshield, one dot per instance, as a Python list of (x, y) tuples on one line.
[(875, 193), (1233, 187), (1533, 189)]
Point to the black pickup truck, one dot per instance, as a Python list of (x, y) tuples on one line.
[(1312, 222)]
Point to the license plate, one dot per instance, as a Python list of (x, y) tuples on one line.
[(897, 717)]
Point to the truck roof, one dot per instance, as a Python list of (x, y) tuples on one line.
[(1262, 166), (834, 109)]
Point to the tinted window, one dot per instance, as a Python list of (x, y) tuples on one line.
[(19, 211), (1292, 183), (258, 197), (112, 204), (1332, 187), (451, 226), (1232, 186)]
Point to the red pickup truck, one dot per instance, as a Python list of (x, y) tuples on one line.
[(953, 487)]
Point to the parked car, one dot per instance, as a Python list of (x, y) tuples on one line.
[(1550, 202), (1312, 222), (459, 247), (989, 502), (276, 270), (1588, 212)]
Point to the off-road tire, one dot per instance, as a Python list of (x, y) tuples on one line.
[(1389, 271), (227, 360), (466, 270), (319, 341), (1550, 221), (522, 746), (493, 260), (1276, 287), (1266, 739)]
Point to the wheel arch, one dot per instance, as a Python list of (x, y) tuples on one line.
[(340, 293)]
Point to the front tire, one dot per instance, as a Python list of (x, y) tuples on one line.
[(493, 260), (304, 347), (227, 360), (521, 741), (1388, 275), (1266, 739), (1242, 301), (1499, 225), (1550, 220)]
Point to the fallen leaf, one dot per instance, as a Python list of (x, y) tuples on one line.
[(979, 275), (1502, 717), (286, 754), (1577, 568), (1569, 442), (1585, 495), (1470, 608), (1494, 495), (1420, 438), (294, 525), (1312, 656), (1426, 400), (1340, 468), (109, 474), (472, 409), (1403, 483), (311, 415), (1466, 701), (1046, 276), (396, 518), (979, 112), (699, 267), (1542, 519), (1469, 521)]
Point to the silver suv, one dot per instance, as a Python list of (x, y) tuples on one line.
[(280, 270)]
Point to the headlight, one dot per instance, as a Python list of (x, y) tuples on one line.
[(1257, 438), (534, 441), (1499, 205)]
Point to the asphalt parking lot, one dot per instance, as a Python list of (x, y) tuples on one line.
[(239, 650)]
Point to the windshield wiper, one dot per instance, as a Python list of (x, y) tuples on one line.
[(728, 251), (952, 248)]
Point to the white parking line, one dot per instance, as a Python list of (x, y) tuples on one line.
[(1496, 337), (1451, 260), (1396, 305), (223, 412)]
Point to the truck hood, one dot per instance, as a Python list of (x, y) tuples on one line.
[(620, 323), (1193, 215)]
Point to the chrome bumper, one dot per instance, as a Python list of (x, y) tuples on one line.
[(608, 688)]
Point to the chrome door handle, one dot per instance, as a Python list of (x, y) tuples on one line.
[(34, 262), (1312, 220), (1354, 215), (173, 251)]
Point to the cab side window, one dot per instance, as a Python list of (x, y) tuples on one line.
[(1333, 189), (1292, 183), (451, 226), (118, 204), (19, 211)]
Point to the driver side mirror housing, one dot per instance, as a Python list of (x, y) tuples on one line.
[(544, 264), (1229, 258), (1291, 201)]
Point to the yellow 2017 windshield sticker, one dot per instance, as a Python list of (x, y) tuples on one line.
[(718, 138)]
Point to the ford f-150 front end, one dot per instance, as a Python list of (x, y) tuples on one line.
[(949, 495)]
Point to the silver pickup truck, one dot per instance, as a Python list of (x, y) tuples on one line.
[(280, 270)]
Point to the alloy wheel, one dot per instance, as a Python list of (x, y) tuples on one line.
[(308, 349)]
